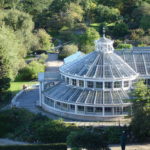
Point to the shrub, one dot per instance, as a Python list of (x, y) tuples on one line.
[(12, 119), (43, 58), (31, 71), (4, 84), (19, 124), (114, 134), (68, 50), (87, 139), (124, 46), (87, 48), (120, 30), (45, 40), (145, 22), (57, 146), (136, 34), (145, 40)]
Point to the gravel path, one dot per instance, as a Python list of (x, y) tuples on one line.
[(132, 147), (11, 142), (53, 63)]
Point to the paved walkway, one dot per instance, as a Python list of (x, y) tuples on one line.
[(53, 63), (132, 147), (11, 142)]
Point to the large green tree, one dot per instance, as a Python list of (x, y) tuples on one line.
[(23, 26), (73, 14), (7, 4), (140, 124), (141, 16), (68, 50), (45, 40), (106, 14), (10, 53), (34, 7), (86, 40)]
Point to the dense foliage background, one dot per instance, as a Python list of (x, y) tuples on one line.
[(28, 25), (31, 26)]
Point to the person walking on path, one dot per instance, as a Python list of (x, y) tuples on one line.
[(123, 140)]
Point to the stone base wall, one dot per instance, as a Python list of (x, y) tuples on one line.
[(80, 117)]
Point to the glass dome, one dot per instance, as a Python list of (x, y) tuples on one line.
[(103, 63), (93, 86)]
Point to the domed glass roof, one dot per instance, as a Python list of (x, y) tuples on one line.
[(100, 64), (71, 95)]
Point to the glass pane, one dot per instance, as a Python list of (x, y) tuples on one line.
[(99, 85)]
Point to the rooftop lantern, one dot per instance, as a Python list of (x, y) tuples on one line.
[(104, 44)]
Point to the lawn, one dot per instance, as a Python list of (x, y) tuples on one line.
[(17, 86)]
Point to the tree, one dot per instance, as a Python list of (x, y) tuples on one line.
[(73, 14), (87, 40), (18, 20), (140, 14), (140, 124), (45, 40), (106, 14), (23, 26), (8, 4), (145, 22), (87, 139), (68, 50), (4, 84), (120, 30), (111, 3), (10, 53), (30, 71), (52, 132), (34, 7)]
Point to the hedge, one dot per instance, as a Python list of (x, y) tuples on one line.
[(58, 146)]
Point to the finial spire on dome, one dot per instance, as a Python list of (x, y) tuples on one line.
[(104, 32)]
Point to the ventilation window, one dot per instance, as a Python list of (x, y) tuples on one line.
[(90, 84), (118, 84), (73, 82), (81, 83), (108, 85), (99, 85), (126, 83)]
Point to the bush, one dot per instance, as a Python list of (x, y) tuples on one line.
[(57, 146), (87, 48), (30, 72), (22, 125), (87, 139), (120, 30), (124, 46), (43, 58), (5, 96), (4, 84), (12, 119), (114, 134), (145, 22), (68, 50), (45, 40)]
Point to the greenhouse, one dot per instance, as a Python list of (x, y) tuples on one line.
[(95, 86)]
